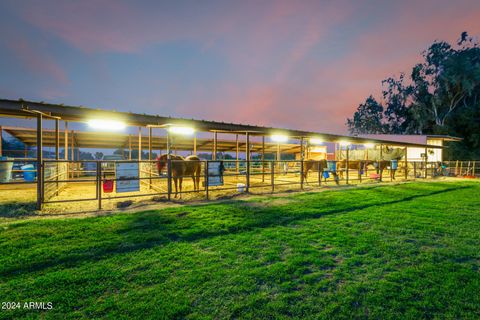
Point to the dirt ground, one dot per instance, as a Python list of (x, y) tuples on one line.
[(156, 192)]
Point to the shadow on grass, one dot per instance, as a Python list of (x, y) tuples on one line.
[(16, 209), (149, 229)]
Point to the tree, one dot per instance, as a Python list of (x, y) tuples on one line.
[(396, 95), (441, 96), (368, 118)]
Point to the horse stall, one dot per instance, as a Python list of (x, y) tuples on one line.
[(104, 159)]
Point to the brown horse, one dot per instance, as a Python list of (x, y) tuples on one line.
[(316, 166), (182, 167), (353, 164), (382, 165)]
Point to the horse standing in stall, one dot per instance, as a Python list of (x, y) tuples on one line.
[(359, 165), (382, 165), (181, 167), (316, 166)]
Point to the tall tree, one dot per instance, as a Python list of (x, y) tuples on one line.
[(441, 96), (368, 118)]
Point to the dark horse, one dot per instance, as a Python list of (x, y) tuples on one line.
[(359, 165), (316, 166), (382, 165), (182, 167)]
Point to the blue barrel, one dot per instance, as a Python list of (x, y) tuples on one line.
[(332, 166), (326, 175), (28, 172), (394, 164)]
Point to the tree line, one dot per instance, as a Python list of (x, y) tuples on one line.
[(439, 96)]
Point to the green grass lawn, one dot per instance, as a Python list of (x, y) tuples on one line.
[(407, 251)]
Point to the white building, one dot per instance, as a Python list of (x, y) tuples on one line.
[(418, 154)]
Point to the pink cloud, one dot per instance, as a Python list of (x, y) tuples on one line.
[(276, 76), (37, 60)]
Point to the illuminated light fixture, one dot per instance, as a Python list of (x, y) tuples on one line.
[(369, 145), (181, 130), (279, 138), (344, 143), (316, 141), (107, 125)]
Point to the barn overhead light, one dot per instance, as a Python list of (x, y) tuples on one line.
[(279, 138), (316, 141), (181, 130), (369, 145), (107, 125)]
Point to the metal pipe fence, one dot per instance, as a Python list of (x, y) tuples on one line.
[(106, 180)]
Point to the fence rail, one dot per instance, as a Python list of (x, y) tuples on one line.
[(103, 180)]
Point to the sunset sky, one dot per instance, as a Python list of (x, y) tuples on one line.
[(294, 64)]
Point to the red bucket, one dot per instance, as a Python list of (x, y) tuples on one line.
[(375, 176), (107, 186)]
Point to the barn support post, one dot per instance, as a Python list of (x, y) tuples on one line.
[(39, 162), (168, 145), (473, 169), (72, 154), (263, 158), (426, 162), (1, 139), (205, 172), (79, 164), (272, 175), (359, 172), (380, 162), (279, 156), (169, 177), (99, 184), (414, 170), (347, 149), (57, 140), (150, 157), (236, 153), (139, 144), (406, 163), (57, 152), (247, 156), (129, 147), (301, 163), (25, 152), (214, 151), (66, 140), (65, 150), (150, 143), (319, 175), (195, 144), (456, 168)]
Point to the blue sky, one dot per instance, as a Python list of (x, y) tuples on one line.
[(295, 64)]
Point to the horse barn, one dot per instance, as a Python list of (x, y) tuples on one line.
[(162, 158)]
